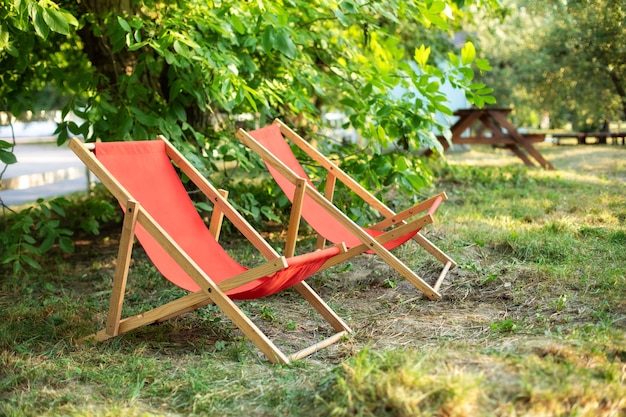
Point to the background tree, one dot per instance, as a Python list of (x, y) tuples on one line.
[(566, 58)]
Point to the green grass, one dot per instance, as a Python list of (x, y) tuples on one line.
[(532, 322)]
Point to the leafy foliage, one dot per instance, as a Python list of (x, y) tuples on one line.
[(32, 232), (194, 71), (186, 69)]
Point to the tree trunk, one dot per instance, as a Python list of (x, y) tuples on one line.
[(98, 47), (619, 88), (112, 66)]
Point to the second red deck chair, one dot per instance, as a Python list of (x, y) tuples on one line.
[(158, 210), (330, 223)]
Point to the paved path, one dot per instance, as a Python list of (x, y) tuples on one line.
[(43, 170)]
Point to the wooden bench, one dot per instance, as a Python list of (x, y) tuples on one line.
[(581, 137)]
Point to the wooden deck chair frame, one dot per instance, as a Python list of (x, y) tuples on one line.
[(396, 223), (210, 292)]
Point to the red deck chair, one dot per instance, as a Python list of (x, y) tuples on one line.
[(328, 221), (160, 213)]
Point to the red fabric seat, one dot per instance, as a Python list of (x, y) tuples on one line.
[(146, 172)]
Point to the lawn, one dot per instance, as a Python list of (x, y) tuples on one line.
[(532, 322)]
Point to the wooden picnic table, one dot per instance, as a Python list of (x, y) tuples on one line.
[(491, 126)]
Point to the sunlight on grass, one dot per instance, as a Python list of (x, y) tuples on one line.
[(550, 380), (532, 320)]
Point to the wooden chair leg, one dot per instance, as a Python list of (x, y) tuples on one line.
[(121, 269), (442, 276)]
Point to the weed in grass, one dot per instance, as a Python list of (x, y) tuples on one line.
[(504, 326)]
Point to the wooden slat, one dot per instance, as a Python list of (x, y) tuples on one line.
[(114, 187), (464, 122), (502, 120), (521, 155), (172, 309), (483, 140), (442, 275), (321, 307), (318, 346), (433, 249), (267, 269), (382, 239), (329, 194)]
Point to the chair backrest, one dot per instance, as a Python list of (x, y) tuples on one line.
[(320, 219), (323, 222), (146, 172)]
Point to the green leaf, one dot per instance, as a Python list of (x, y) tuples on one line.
[(37, 19), (237, 24), (454, 59), (17, 267), (349, 102), (437, 7), (47, 243), (57, 208), (421, 55), (483, 64), (4, 37), (468, 53), (201, 205), (380, 132), (285, 45), (7, 157), (267, 39), (29, 239), (402, 163), (30, 261), (5, 145), (144, 118), (56, 21), (123, 24), (468, 73), (66, 244)]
